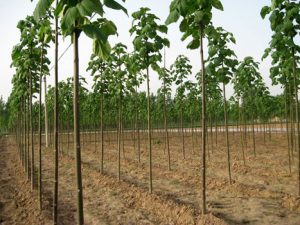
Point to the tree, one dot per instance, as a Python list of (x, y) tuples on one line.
[(148, 43), (118, 77), (180, 70), (196, 15), (45, 36), (134, 65), (284, 20), (192, 107), (222, 62), (100, 70), (167, 79), (23, 55), (246, 82), (75, 18)]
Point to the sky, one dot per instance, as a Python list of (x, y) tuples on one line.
[(241, 17)]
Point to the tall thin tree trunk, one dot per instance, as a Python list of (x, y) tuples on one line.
[(297, 114), (287, 131), (203, 85), (166, 130), (40, 135), (28, 139), (216, 132), (227, 138), (24, 134), (292, 132), (119, 135), (31, 130), (181, 126), (136, 126), (46, 113), (102, 136), (270, 128), (68, 136), (241, 132), (192, 130), (149, 130), (211, 134), (253, 130), (55, 193), (77, 149)]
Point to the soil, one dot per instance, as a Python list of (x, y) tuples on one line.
[(18, 204), (262, 192)]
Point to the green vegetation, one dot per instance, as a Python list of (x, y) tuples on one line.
[(116, 101)]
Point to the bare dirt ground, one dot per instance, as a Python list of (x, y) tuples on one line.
[(263, 192), (18, 204)]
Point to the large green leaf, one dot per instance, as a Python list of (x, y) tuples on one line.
[(199, 15), (108, 28), (138, 43), (194, 44), (173, 17), (101, 49), (114, 5), (94, 32), (69, 19), (88, 7), (41, 9), (163, 28)]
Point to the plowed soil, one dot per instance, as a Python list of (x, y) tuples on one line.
[(262, 192)]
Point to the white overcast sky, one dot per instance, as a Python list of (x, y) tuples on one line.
[(241, 17)]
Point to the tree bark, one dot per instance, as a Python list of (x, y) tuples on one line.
[(203, 84), (77, 149), (102, 136), (287, 131), (149, 130), (46, 113), (166, 129), (227, 138), (40, 135), (297, 115), (55, 193)]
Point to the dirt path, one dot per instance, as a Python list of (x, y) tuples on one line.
[(18, 205)]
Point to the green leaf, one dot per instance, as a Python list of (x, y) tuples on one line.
[(68, 20), (88, 7), (266, 53), (137, 42), (114, 5), (163, 28), (173, 17), (194, 44), (199, 16), (102, 49), (264, 11), (108, 28), (212, 51), (59, 8), (232, 39), (183, 25), (288, 26), (166, 42), (41, 9), (217, 4), (94, 32)]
